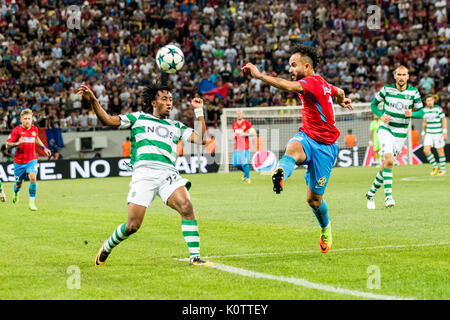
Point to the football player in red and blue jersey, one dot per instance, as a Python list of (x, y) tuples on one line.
[(242, 129), (25, 137), (315, 143)]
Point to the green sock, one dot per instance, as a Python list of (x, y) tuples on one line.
[(387, 180), (117, 237), (189, 228), (376, 184), (442, 163), (431, 160)]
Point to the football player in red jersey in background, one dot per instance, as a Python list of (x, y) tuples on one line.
[(242, 129), (315, 144), (24, 137)]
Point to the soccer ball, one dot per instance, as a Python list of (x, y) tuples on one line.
[(170, 58)]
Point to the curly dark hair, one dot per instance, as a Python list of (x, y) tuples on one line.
[(308, 51), (149, 94)]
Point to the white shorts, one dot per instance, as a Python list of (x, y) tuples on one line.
[(146, 183), (434, 140), (389, 143)]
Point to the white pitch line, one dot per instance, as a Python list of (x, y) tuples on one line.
[(306, 283), (332, 250), (302, 282)]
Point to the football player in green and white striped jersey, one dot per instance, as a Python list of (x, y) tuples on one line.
[(398, 100), (154, 140), (434, 134)]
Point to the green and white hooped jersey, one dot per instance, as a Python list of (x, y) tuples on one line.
[(434, 119), (153, 140), (395, 103)]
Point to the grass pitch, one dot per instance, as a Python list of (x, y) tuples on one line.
[(401, 252)]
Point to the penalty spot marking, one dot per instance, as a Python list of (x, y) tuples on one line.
[(302, 283)]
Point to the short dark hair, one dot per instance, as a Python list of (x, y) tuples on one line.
[(308, 51), (150, 92)]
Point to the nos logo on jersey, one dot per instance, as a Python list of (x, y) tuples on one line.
[(161, 131)]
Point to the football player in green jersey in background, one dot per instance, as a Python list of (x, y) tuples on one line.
[(154, 140), (398, 100), (434, 134)]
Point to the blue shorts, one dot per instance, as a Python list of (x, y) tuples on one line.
[(241, 157), (21, 171), (320, 159)]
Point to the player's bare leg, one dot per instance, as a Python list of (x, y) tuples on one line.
[(293, 155), (32, 191), (180, 201), (320, 209), (136, 215)]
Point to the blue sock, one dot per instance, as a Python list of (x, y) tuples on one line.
[(288, 165), (16, 189), (32, 189), (322, 214), (246, 169), (239, 167)]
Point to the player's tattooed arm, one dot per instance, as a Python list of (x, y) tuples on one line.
[(280, 83), (106, 119), (14, 144), (342, 100)]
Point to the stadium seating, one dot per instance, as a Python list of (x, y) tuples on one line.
[(43, 61)]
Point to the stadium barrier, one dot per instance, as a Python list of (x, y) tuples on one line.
[(190, 164), (103, 167)]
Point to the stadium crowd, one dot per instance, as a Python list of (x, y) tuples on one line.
[(42, 61)]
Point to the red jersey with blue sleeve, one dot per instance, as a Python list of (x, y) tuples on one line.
[(26, 151), (318, 111), (241, 143)]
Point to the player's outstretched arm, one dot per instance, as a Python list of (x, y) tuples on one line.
[(342, 100), (280, 83), (198, 136), (106, 119)]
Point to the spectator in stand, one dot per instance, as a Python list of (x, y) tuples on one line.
[(55, 155), (114, 49)]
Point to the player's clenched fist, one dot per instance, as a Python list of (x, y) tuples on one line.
[(250, 67), (197, 103), (86, 93)]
